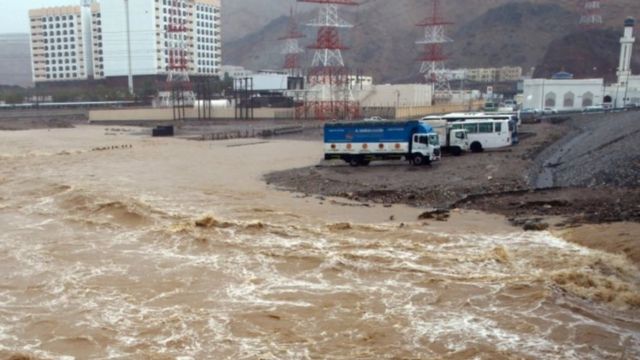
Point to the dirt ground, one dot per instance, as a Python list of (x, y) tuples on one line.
[(500, 181), (441, 185)]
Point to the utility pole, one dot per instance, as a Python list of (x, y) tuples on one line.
[(433, 58), (126, 11), (328, 75)]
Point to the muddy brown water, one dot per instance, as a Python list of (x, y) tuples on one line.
[(172, 249)]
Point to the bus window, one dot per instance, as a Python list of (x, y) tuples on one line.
[(485, 127), (498, 127), (471, 128), (457, 126)]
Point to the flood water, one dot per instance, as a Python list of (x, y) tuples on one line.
[(172, 249)]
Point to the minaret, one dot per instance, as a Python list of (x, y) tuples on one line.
[(626, 49)]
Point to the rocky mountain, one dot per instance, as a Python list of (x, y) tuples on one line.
[(243, 17), (485, 33), (586, 54)]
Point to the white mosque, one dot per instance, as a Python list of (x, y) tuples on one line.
[(576, 94)]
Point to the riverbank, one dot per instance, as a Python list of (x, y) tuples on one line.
[(604, 189)]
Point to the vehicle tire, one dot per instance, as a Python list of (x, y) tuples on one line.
[(456, 151), (418, 160), (354, 161), (476, 147), (364, 162)]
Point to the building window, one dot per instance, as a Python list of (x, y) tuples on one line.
[(569, 99), (587, 99), (550, 100)]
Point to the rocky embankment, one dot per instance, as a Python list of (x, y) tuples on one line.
[(602, 150)]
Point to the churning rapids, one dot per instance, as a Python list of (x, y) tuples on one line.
[(176, 249)]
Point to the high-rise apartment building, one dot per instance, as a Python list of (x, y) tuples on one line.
[(164, 33), (60, 44), (96, 38), (90, 41)]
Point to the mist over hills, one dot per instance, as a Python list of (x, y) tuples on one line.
[(15, 65), (486, 33)]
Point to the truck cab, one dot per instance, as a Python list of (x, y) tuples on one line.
[(455, 141), (425, 148), (458, 141)]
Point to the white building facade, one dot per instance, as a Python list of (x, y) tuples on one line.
[(96, 37), (561, 94), (164, 34), (90, 41), (61, 44)]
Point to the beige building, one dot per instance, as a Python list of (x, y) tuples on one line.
[(60, 44), (489, 75), (90, 41), (510, 73)]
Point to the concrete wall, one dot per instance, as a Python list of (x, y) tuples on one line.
[(414, 112), (166, 114), (395, 95)]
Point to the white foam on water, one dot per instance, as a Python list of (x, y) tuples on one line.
[(371, 266)]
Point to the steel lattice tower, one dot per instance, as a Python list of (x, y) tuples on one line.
[(177, 34), (433, 57), (328, 75), (591, 15), (292, 49)]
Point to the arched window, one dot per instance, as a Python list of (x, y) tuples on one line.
[(550, 100), (587, 99), (569, 99)]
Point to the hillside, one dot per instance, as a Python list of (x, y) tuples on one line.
[(495, 33), (586, 54), (243, 17)]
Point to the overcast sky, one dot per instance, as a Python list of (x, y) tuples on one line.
[(14, 16)]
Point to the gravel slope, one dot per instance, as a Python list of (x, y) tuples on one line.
[(602, 150)]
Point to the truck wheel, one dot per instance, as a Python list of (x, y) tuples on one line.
[(365, 162), (354, 161), (456, 151), (417, 160), (476, 147)]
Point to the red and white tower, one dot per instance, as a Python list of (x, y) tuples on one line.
[(177, 37), (433, 57), (590, 13), (292, 50), (328, 77)]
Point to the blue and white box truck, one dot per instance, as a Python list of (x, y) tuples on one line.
[(359, 143)]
